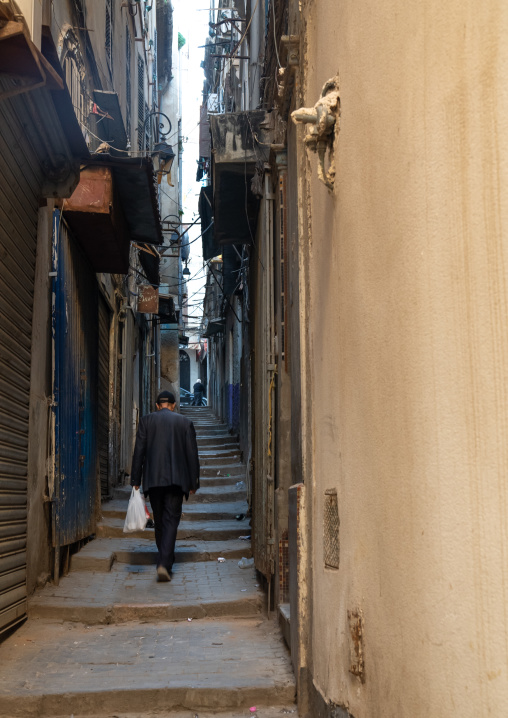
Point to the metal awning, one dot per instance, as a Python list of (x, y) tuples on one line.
[(34, 80), (115, 203), (150, 263), (21, 60), (241, 142), (213, 328), (97, 221), (111, 128), (210, 247), (135, 183)]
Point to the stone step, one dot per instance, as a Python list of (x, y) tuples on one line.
[(226, 480), (193, 410), (233, 489), (188, 530), (212, 430), (207, 495), (206, 460), (223, 469), (218, 448), (199, 512), (225, 441), (218, 452), (131, 593), (100, 555), (51, 669)]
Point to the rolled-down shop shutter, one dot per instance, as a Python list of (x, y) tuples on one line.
[(20, 181), (103, 396)]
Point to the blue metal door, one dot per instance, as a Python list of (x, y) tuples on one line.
[(75, 337)]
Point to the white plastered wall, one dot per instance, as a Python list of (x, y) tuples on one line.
[(408, 329)]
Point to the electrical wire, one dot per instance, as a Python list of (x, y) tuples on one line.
[(272, 2)]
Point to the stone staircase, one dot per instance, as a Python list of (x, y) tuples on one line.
[(111, 621)]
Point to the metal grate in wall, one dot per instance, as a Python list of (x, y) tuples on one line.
[(331, 530)]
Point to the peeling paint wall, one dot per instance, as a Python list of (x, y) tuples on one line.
[(408, 344)]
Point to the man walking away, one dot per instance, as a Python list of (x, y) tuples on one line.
[(166, 461), (199, 390)]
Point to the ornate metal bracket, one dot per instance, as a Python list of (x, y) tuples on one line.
[(162, 123), (322, 118)]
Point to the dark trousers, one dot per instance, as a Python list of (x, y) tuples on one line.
[(198, 398), (166, 505)]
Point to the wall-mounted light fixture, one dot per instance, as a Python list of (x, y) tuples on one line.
[(163, 157)]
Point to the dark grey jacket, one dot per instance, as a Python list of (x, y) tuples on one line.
[(166, 452)]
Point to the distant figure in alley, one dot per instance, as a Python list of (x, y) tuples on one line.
[(199, 390), (166, 463)]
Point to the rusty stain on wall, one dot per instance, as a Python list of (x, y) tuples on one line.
[(357, 667)]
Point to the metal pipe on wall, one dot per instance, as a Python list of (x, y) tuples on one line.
[(255, 47)]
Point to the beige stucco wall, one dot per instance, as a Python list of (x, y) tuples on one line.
[(409, 324)]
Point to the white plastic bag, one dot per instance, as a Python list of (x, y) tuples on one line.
[(135, 519), (246, 562)]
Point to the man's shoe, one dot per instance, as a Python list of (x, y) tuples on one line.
[(162, 574)]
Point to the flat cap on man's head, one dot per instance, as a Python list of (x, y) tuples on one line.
[(166, 397)]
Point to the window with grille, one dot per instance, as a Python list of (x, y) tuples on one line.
[(128, 94), (141, 101), (80, 14), (75, 87), (109, 33), (331, 530)]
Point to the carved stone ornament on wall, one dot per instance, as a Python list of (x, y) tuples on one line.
[(322, 119)]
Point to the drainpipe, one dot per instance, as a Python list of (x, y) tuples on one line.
[(255, 47), (271, 370)]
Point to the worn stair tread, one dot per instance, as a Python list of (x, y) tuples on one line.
[(234, 470), (208, 494), (50, 669), (131, 592), (218, 530), (124, 492), (226, 439), (219, 451), (218, 462), (273, 711), (218, 511), (101, 554), (225, 455), (231, 508)]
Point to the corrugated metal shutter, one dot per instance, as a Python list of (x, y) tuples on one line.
[(20, 182), (103, 396)]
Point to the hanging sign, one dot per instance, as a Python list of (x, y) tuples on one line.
[(148, 299)]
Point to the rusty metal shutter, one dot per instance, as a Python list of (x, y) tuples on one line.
[(20, 181), (103, 396)]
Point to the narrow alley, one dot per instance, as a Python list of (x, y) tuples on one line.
[(283, 223), (110, 641)]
